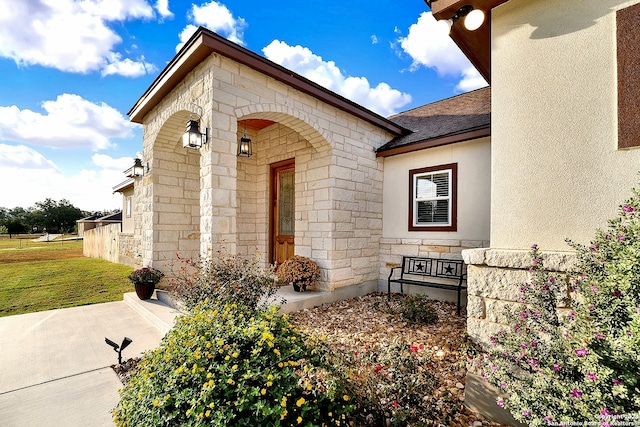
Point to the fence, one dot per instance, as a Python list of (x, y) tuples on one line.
[(102, 242)]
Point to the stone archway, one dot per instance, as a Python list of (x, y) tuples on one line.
[(170, 195)]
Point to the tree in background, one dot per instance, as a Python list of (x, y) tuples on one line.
[(49, 215)]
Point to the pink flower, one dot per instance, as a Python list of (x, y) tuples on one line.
[(378, 368), (628, 208), (413, 349), (576, 393), (594, 288), (394, 404), (617, 381), (592, 376), (599, 336), (534, 246), (500, 402), (556, 367), (620, 238), (581, 352), (526, 413)]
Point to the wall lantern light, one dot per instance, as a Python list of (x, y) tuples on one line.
[(192, 137), (138, 169), (245, 148)]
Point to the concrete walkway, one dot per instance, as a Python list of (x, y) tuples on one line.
[(55, 365)]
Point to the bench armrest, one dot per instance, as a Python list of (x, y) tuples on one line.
[(391, 272)]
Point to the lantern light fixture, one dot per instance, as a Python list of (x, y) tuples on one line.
[(245, 148), (192, 137), (138, 169)]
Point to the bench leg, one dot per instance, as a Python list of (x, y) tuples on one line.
[(458, 302)]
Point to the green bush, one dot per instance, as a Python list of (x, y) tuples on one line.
[(581, 366), (416, 310), (227, 278), (228, 365)]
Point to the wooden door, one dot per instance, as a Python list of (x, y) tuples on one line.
[(282, 211)]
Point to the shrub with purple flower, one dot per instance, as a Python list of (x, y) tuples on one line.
[(585, 364)]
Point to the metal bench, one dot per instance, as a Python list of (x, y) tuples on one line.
[(420, 271)]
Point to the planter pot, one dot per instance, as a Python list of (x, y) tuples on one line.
[(144, 290), (299, 288)]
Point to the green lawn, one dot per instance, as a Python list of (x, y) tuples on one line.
[(55, 275)]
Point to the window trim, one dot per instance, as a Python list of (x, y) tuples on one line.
[(453, 223)]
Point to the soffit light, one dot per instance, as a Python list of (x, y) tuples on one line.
[(192, 137), (245, 148), (472, 19)]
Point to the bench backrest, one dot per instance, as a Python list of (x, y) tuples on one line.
[(433, 267)]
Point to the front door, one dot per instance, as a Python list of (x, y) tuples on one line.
[(282, 211)]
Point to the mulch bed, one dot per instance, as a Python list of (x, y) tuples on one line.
[(349, 325)]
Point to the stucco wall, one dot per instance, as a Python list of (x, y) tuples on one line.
[(474, 190), (556, 169)]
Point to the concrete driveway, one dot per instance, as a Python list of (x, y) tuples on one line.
[(55, 365)]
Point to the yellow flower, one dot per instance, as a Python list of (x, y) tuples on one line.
[(299, 420), (346, 398), (209, 375), (300, 402), (283, 402), (263, 392), (211, 405), (156, 403), (230, 381), (269, 383), (276, 351)]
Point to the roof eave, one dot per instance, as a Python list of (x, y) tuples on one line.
[(437, 142), (205, 42)]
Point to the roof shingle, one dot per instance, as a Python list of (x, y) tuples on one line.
[(462, 117)]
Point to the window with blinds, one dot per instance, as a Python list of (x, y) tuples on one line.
[(432, 201)]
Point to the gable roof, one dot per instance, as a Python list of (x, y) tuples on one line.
[(204, 42), (456, 119)]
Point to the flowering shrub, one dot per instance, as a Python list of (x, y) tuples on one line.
[(390, 381), (229, 278), (302, 271), (145, 275), (581, 366), (228, 365)]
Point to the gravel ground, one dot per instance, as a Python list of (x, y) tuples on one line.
[(350, 325)]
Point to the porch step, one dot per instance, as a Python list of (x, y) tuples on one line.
[(156, 310)]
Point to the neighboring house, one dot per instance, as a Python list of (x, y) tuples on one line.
[(323, 177), (95, 221), (565, 119)]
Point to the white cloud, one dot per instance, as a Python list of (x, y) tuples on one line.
[(70, 122), (107, 162), (39, 179), (216, 17), (25, 158), (67, 35), (127, 68), (162, 6), (430, 47), (382, 99)]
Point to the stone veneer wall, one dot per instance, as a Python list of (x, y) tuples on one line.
[(494, 279), (338, 177)]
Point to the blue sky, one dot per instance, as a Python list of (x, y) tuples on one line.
[(71, 70)]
